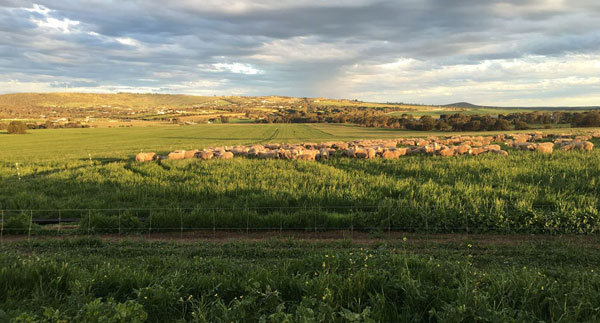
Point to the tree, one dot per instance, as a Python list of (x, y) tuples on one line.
[(520, 125), (17, 127), (224, 119)]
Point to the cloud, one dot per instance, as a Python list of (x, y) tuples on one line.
[(236, 68), (493, 52)]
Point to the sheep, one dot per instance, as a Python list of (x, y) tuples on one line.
[(189, 154), (447, 152), (390, 154), (478, 151), (499, 152), (143, 157), (546, 147), (267, 155), (306, 156), (204, 155), (177, 154), (463, 149), (492, 147), (225, 155)]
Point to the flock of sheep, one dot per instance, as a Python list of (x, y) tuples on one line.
[(388, 149)]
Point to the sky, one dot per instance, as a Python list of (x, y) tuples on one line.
[(503, 53)]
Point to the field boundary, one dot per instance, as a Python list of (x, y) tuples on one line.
[(379, 219)]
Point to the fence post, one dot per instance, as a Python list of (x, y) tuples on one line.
[(59, 219), (214, 222), (280, 220), (30, 223), (247, 222), (2, 228), (149, 225), (180, 222), (315, 216), (120, 224), (351, 223), (89, 221), (18, 171), (426, 220)]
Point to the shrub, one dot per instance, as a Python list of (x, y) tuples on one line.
[(17, 127)]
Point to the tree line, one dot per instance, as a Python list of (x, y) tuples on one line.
[(445, 122)]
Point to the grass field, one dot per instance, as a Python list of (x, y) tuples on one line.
[(524, 192), (119, 275), (69, 144), (422, 279)]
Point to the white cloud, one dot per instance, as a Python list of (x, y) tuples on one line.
[(300, 49), (127, 41), (537, 80), (236, 68), (64, 25)]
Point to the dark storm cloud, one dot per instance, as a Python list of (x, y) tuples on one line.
[(296, 48)]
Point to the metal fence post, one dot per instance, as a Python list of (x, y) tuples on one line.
[(59, 219), (389, 212), (351, 223), (315, 216), (149, 225), (30, 223), (2, 228), (181, 222), (119, 224)]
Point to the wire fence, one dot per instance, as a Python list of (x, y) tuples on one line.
[(540, 219)]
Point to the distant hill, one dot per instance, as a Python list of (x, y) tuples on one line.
[(462, 105)]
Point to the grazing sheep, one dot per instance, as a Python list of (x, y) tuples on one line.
[(143, 157), (478, 151), (546, 147), (524, 146), (306, 156), (267, 155), (493, 147), (499, 152), (177, 154), (371, 153), (390, 154), (446, 152), (463, 149), (225, 155), (189, 153), (204, 155), (323, 154)]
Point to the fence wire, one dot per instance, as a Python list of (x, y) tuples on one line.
[(543, 218)]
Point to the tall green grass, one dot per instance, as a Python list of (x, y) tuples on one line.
[(524, 192), (296, 281)]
